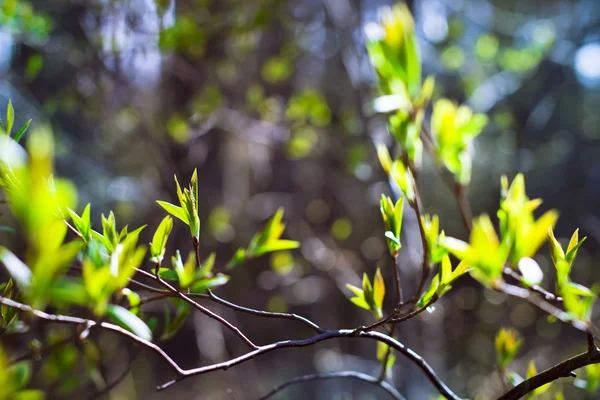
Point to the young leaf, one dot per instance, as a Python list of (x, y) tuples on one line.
[(531, 372), (22, 131), (276, 245), (175, 211), (129, 321), (20, 374), (378, 289), (10, 117), (173, 326), (207, 266), (159, 240), (201, 285), (508, 342)]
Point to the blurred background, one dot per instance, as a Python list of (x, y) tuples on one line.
[(270, 100)]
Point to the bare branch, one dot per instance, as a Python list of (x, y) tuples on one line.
[(199, 307), (337, 375), (265, 314), (182, 374), (563, 370)]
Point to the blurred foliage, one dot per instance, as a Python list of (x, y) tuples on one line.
[(268, 100)]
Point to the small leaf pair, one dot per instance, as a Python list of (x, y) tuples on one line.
[(6, 127), (266, 241), (507, 343), (517, 220), (577, 299), (392, 219), (371, 296), (188, 209), (485, 253), (453, 129), (441, 283)]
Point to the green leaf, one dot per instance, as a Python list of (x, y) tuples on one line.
[(133, 298), (360, 302), (531, 372), (238, 258), (175, 211), (20, 374), (16, 268), (572, 252), (445, 270), (378, 289), (207, 266), (159, 240), (556, 250), (168, 274), (129, 321), (277, 245), (201, 285), (10, 117), (507, 343), (173, 326), (430, 292), (83, 223), (22, 131), (67, 291), (538, 234), (29, 394)]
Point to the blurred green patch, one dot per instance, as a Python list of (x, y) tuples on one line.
[(341, 229), (282, 262), (486, 47), (453, 57)]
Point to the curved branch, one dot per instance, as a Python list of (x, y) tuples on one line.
[(563, 370), (266, 314), (199, 307), (183, 373), (333, 375)]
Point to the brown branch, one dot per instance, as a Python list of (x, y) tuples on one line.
[(464, 206), (182, 373), (337, 375), (397, 281), (535, 288), (265, 314), (562, 370), (199, 307), (425, 265), (525, 294)]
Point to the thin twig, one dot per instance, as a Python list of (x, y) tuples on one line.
[(337, 375), (200, 308), (398, 282), (119, 379), (260, 313), (463, 205), (43, 350), (425, 265), (525, 294), (535, 288)]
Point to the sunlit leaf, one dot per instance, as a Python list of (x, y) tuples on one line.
[(175, 211), (129, 321)]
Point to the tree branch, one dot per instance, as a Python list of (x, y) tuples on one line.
[(563, 370), (337, 375), (182, 373), (260, 313), (199, 307)]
